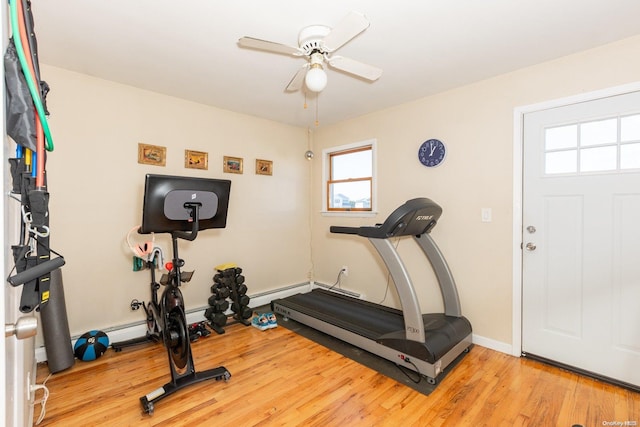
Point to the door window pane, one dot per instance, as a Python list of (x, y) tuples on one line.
[(630, 156), (630, 128), (599, 132), (598, 159), (561, 162), (561, 137)]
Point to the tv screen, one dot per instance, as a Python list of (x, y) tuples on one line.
[(165, 197)]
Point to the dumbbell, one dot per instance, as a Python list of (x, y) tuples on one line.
[(241, 310), (242, 289), (246, 313), (237, 306), (219, 319), (218, 305), (220, 292)]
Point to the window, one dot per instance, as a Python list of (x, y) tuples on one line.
[(603, 145), (349, 178)]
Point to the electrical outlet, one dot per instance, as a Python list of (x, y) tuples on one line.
[(345, 270)]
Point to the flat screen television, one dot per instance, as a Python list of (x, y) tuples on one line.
[(166, 198)]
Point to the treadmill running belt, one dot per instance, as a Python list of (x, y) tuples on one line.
[(380, 323)]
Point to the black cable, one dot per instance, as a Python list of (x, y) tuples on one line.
[(337, 280), (405, 371)]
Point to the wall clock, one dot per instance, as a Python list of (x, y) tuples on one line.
[(432, 153)]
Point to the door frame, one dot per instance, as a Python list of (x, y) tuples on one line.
[(518, 166)]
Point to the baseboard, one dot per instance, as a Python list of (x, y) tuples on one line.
[(126, 332), (500, 346), (338, 290)]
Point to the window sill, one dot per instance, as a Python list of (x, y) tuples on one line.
[(352, 214)]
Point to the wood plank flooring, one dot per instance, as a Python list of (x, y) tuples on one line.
[(282, 379)]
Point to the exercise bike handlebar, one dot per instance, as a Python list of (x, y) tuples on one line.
[(195, 225)]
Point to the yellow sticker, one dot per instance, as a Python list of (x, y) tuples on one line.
[(45, 296)]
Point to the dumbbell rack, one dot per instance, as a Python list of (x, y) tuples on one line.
[(228, 290)]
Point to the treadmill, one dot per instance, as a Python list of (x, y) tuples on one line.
[(424, 343)]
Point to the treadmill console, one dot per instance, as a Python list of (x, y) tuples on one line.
[(413, 218)]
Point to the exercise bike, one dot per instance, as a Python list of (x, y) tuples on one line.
[(151, 309), (175, 333)]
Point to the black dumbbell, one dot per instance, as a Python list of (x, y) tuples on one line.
[(246, 313), (220, 292), (242, 289), (219, 319), (242, 302), (218, 305)]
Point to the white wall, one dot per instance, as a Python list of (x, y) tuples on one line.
[(476, 123), (96, 187)]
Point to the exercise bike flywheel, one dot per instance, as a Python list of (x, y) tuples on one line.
[(177, 337)]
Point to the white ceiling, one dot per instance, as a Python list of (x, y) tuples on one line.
[(189, 49)]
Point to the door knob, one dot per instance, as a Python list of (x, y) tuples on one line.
[(530, 246), (25, 327)]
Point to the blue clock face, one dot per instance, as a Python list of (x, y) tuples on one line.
[(432, 153)]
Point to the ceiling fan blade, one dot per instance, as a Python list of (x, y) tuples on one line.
[(253, 43), (350, 26), (296, 82), (357, 68)]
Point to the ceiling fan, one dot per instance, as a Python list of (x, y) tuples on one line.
[(317, 44)]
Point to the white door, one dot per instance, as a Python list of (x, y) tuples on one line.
[(581, 236)]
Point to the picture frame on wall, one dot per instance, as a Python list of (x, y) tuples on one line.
[(264, 167), (152, 154), (196, 159), (232, 164)]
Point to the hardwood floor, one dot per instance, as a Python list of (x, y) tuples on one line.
[(282, 379)]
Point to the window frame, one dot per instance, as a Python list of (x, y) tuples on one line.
[(327, 154)]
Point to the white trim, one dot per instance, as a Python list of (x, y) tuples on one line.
[(516, 339), (197, 315), (374, 180), (518, 143), (193, 316), (500, 346)]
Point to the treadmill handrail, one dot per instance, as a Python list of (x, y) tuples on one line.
[(416, 217), (344, 230)]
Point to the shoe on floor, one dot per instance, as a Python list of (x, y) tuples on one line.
[(272, 320), (260, 321)]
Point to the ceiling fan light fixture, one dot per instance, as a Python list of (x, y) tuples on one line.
[(316, 78)]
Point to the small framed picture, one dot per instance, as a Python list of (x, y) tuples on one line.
[(196, 159), (152, 155), (264, 167), (232, 164)]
